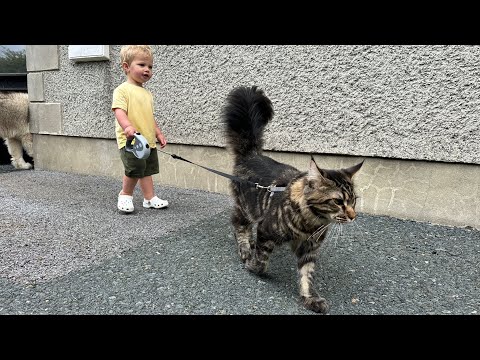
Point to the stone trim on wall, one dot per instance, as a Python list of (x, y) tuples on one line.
[(440, 193), (35, 87), (45, 118), (42, 57)]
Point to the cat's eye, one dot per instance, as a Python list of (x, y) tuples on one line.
[(338, 202)]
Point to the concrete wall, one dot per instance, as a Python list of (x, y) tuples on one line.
[(411, 111)]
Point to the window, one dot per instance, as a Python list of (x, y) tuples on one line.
[(13, 68), (13, 59)]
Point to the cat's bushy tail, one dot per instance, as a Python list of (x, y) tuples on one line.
[(245, 116)]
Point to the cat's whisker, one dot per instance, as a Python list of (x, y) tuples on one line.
[(332, 231), (361, 229), (329, 235), (321, 229), (359, 226), (339, 233), (323, 226), (334, 235)]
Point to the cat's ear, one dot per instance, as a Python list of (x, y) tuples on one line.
[(314, 172), (353, 169), (313, 169)]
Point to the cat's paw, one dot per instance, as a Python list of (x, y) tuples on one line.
[(21, 164), (317, 304), (255, 266), (245, 253)]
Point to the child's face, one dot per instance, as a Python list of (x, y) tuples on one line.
[(140, 70)]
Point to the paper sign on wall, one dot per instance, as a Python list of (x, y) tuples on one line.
[(88, 52)]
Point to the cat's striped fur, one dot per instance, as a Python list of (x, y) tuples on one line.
[(299, 215)]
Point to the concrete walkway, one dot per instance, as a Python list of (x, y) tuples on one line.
[(65, 249)]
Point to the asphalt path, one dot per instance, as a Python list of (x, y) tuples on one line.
[(65, 249)]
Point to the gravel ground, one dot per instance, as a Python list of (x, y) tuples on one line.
[(65, 249)]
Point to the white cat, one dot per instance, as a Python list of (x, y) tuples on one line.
[(14, 127)]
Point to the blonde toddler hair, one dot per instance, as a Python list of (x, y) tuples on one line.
[(128, 52)]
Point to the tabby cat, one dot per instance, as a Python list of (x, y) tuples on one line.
[(300, 214)]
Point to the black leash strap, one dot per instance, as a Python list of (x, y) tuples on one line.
[(271, 189)]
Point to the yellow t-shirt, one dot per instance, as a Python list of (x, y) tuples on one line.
[(137, 102)]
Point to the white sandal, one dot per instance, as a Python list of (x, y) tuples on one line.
[(155, 202), (125, 203)]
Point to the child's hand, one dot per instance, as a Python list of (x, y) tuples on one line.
[(161, 139), (129, 131)]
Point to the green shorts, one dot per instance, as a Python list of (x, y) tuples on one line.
[(138, 168)]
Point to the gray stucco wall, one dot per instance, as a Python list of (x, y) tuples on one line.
[(405, 102)]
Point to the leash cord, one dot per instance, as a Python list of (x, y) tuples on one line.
[(271, 189)]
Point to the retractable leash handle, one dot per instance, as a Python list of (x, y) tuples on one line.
[(140, 148)]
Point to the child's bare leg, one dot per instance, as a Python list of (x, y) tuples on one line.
[(128, 185), (146, 184), (149, 198)]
